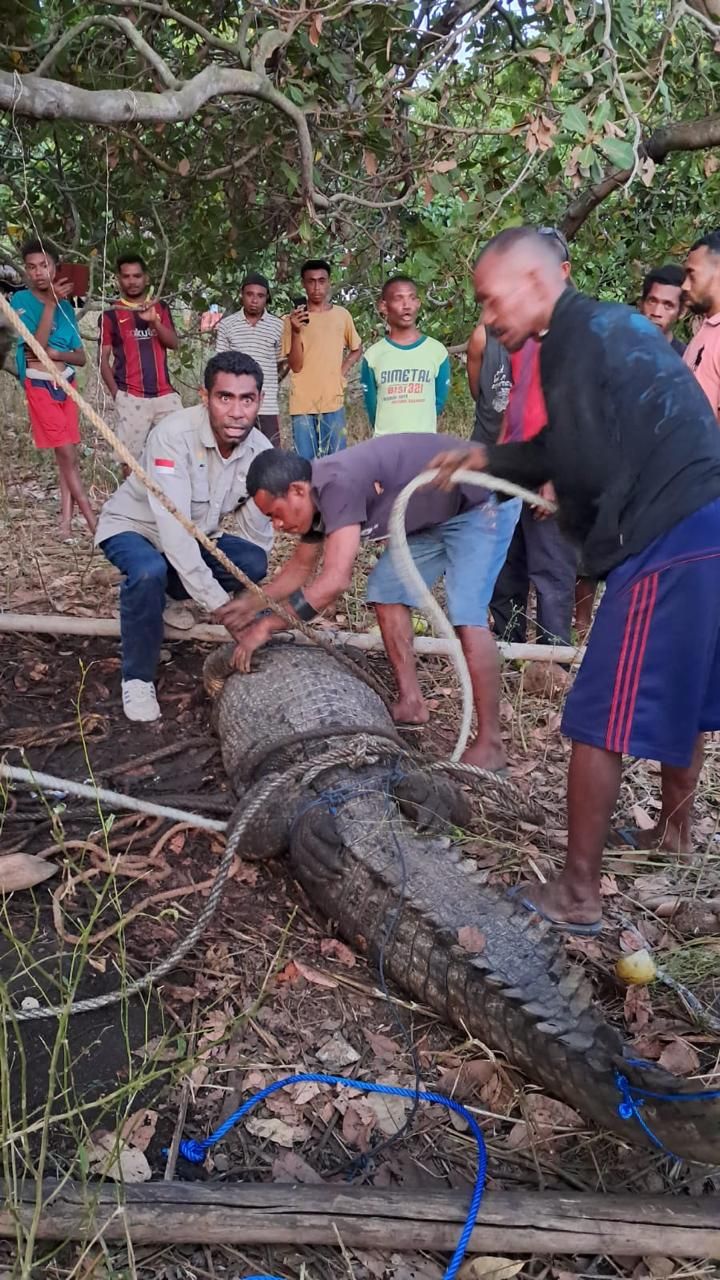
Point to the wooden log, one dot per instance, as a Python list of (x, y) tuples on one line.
[(209, 632), (263, 1214)]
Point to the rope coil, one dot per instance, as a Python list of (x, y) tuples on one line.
[(195, 1150), (407, 569)]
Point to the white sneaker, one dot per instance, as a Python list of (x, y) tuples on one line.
[(139, 700), (178, 615)]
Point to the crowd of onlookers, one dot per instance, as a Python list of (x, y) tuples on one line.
[(405, 378)]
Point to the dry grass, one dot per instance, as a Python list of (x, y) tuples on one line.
[(267, 990)]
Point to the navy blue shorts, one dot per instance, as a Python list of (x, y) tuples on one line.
[(650, 680)]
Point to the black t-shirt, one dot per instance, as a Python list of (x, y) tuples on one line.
[(493, 395), (631, 445), (359, 485)]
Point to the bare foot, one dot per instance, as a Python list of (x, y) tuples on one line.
[(410, 711), (66, 532), (666, 837), (485, 756), (559, 902)]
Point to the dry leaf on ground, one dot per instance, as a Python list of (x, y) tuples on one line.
[(333, 947), (471, 939), (278, 1131), (649, 1047), (314, 975), (518, 1137), (389, 1111), (290, 1167), (548, 1116), (631, 940), (302, 1093), (139, 1128), (108, 1158), (638, 1008), (382, 1046), (254, 1080), (544, 678), (212, 1033), (358, 1123), (403, 1267), (588, 947), (337, 1053), (642, 818), (468, 1079), (679, 1058), (22, 871), (661, 1268), (652, 888), (484, 1268), (608, 886)]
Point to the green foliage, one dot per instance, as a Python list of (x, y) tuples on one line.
[(431, 128)]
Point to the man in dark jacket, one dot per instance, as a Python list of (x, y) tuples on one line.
[(633, 451)]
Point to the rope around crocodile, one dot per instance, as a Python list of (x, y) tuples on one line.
[(362, 751), (348, 754)]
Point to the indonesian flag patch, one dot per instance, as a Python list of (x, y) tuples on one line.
[(167, 464)]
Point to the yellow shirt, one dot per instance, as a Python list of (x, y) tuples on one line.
[(319, 386)]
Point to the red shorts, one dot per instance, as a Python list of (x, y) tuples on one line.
[(54, 417)]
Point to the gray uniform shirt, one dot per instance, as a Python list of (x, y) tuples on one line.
[(182, 457)]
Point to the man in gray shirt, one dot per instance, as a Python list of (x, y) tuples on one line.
[(335, 502), (255, 332), (200, 458)]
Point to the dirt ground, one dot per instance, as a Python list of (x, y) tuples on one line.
[(269, 990)]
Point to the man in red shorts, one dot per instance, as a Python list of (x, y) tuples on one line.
[(54, 418), (633, 450)]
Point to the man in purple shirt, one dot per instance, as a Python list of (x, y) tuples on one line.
[(334, 503)]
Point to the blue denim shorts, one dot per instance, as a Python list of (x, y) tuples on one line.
[(468, 550)]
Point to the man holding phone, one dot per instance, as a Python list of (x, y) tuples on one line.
[(321, 344)]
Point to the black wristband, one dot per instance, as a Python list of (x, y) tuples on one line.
[(301, 606)]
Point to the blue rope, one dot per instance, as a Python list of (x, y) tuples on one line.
[(194, 1150), (633, 1098)]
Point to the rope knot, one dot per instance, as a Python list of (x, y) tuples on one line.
[(360, 755), (192, 1150)]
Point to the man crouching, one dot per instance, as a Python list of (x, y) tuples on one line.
[(200, 458), (335, 502)]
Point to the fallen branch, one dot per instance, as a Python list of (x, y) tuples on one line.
[(62, 625), (508, 1222)]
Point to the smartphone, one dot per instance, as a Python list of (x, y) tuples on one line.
[(300, 304)]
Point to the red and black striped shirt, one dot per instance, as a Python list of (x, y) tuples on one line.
[(140, 364)]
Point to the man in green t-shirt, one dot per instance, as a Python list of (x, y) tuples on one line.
[(406, 375)]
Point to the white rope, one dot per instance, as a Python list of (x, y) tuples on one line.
[(406, 567), (115, 799)]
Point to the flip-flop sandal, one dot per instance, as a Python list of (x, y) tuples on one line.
[(622, 838), (518, 895)]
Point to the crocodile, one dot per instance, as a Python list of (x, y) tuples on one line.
[(369, 846)]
